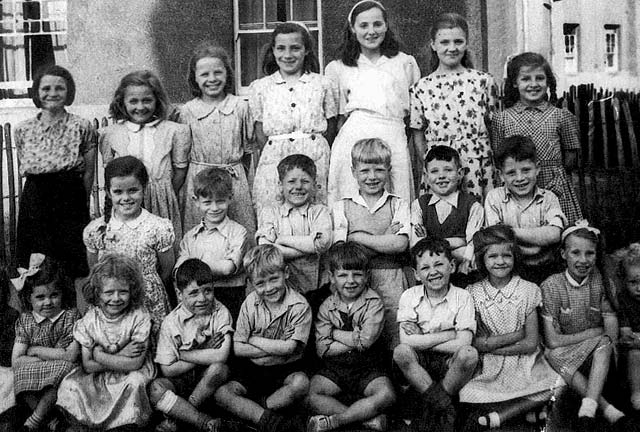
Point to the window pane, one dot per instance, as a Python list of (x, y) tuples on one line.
[(303, 10), (251, 53), (250, 11)]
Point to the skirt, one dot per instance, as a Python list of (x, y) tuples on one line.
[(161, 200), (361, 125), (53, 213)]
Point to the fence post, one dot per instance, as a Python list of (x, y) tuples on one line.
[(12, 195), (3, 249)]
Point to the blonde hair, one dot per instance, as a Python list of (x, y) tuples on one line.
[(371, 150), (121, 268), (263, 260)]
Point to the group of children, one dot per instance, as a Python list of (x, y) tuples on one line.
[(206, 313)]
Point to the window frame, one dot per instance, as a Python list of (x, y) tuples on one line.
[(267, 28), (612, 30), (571, 31)]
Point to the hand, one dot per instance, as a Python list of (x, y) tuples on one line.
[(411, 328), (216, 341), (271, 236), (395, 227), (419, 230), (133, 349)]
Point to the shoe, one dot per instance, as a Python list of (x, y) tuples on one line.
[(167, 425), (377, 423), (319, 423)]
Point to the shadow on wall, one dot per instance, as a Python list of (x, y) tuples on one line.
[(177, 26), (411, 22)]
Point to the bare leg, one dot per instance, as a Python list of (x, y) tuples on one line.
[(407, 360), (463, 364), (633, 373), (161, 391), (296, 387), (231, 397), (378, 394), (212, 378), (321, 398)]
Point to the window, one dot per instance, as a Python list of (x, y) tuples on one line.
[(33, 33), (570, 32), (253, 22), (612, 47)]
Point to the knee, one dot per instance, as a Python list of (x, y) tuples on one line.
[(300, 384), (467, 357), (157, 389), (387, 397), (229, 390), (216, 372), (404, 356)]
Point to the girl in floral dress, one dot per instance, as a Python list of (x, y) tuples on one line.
[(294, 110), (579, 323), (56, 153), (451, 105), (110, 389), (129, 229), (373, 78), (140, 106), (513, 366)]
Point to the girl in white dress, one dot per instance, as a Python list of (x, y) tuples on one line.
[(373, 77)]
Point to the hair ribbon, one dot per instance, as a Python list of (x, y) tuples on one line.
[(377, 3), (301, 24), (35, 261), (580, 224)]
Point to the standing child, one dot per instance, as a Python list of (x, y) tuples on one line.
[(217, 240), (272, 330), (221, 130), (373, 77), (451, 105), (193, 349), (294, 109), (378, 220), (446, 212), (513, 366), (129, 229), (553, 130), (348, 328), (629, 316), (140, 106), (44, 350), (579, 323), (437, 323), (300, 228), (109, 390)]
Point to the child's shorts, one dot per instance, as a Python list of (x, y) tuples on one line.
[(263, 381), (185, 383), (350, 376), (435, 363)]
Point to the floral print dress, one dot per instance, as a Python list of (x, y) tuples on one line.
[(451, 109)]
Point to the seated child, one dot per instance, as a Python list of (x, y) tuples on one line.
[(513, 366), (629, 317), (271, 333), (533, 213), (110, 389), (217, 240), (44, 350), (380, 221), (446, 211), (579, 323), (348, 328), (299, 227), (193, 349), (437, 323)]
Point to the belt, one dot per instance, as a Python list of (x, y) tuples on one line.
[(230, 168), (293, 136)]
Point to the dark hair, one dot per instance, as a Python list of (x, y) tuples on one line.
[(139, 78), (53, 70), (204, 50), (193, 270), (51, 272), (300, 161), (349, 49), (213, 182), (518, 147), (124, 166), (120, 267), (450, 20), (443, 153), (310, 64), (347, 256), (527, 60), (433, 245), (493, 235)]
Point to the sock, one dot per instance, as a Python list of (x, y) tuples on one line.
[(635, 400), (612, 414), (33, 422), (588, 408)]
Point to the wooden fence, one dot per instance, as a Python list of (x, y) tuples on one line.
[(607, 181)]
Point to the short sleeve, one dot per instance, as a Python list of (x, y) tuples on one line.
[(93, 235), (256, 102), (466, 314), (243, 325), (166, 350), (402, 215), (340, 223), (330, 98), (491, 90), (323, 327), (534, 298), (416, 221), (569, 136), (82, 330), (321, 229), (492, 208), (550, 302), (267, 221), (222, 321), (164, 236), (497, 129), (141, 328), (237, 244), (553, 215), (406, 307), (412, 70), (416, 112), (332, 71), (66, 338), (105, 147), (181, 146), (300, 319), (370, 328), (89, 137), (21, 325)]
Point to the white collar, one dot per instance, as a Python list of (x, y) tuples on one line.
[(132, 223), (39, 318), (451, 199), (358, 199), (574, 283), (136, 127)]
